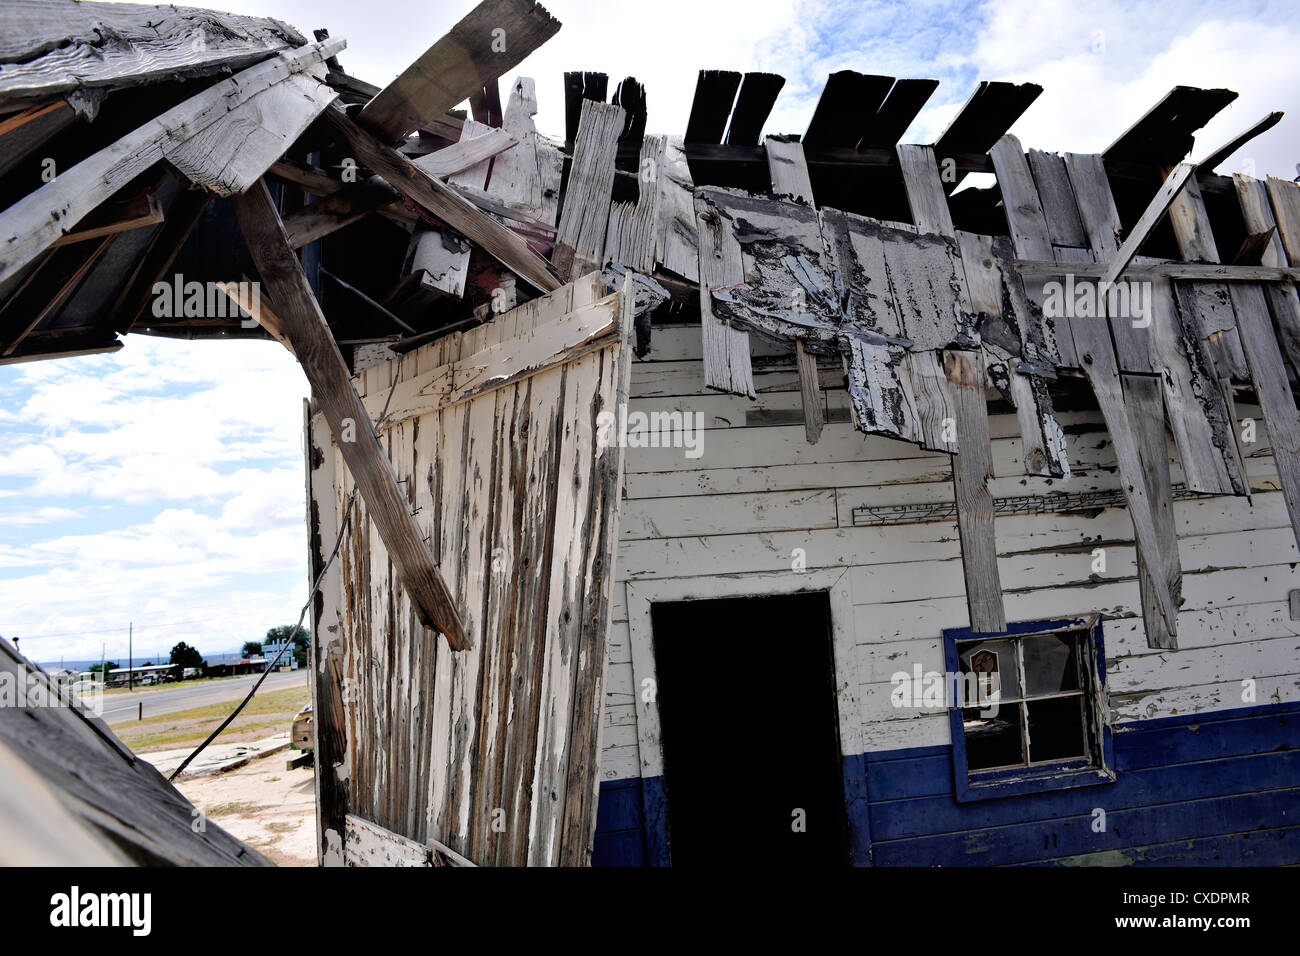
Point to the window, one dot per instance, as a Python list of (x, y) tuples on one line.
[(1034, 715)]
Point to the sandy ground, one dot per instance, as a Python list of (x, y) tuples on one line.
[(269, 808)]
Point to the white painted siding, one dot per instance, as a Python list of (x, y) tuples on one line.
[(759, 491)]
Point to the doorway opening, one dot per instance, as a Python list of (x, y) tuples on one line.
[(750, 730)]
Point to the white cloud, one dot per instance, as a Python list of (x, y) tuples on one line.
[(195, 448)]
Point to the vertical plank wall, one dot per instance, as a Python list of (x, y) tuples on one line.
[(1186, 739), (490, 751)]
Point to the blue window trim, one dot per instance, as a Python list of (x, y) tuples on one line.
[(1056, 776)]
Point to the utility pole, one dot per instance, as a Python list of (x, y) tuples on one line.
[(103, 677), (130, 654)]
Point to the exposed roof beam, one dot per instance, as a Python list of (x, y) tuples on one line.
[(304, 326)]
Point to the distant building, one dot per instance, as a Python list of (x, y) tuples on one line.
[(270, 649)]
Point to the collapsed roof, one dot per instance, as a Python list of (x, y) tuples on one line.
[(238, 164)]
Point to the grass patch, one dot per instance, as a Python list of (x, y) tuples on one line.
[(265, 714), (240, 807)]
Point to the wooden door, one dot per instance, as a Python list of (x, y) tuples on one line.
[(494, 436)]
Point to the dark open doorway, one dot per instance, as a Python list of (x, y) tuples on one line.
[(750, 730)]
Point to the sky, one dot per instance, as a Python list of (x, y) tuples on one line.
[(163, 485)]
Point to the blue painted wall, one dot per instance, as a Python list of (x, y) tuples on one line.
[(1219, 788)]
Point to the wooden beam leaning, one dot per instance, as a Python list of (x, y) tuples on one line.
[(304, 326), (445, 203), (489, 40), (1130, 408), (1093, 351), (1149, 219)]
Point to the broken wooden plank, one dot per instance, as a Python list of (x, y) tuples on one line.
[(1145, 268), (1207, 307), (972, 467), (1163, 135), (445, 203), (1147, 222), (1057, 197), (992, 109), (1101, 223), (875, 356), (304, 326), (758, 92), (59, 47), (547, 345), (810, 392), (1093, 344), (846, 108), (528, 176), (789, 176), (1142, 393), (715, 92), (676, 246), (925, 190), (1093, 348), (198, 136), (787, 168), (726, 349), (491, 39), (1027, 224), (580, 86), (630, 235), (936, 415), (906, 98), (1153, 338), (1217, 156), (580, 236), (1257, 214), (482, 143)]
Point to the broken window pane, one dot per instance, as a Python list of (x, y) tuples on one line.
[(1051, 663), (993, 741), (1056, 729)]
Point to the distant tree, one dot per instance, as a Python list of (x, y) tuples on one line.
[(185, 656), (292, 632), (105, 667), (251, 649)]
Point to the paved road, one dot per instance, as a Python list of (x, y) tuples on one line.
[(119, 707)]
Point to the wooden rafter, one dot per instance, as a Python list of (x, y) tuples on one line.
[(304, 326)]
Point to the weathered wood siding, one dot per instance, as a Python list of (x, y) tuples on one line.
[(729, 522), (489, 751)]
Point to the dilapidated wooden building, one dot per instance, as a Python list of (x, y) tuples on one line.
[(666, 492)]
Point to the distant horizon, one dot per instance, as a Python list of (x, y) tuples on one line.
[(80, 665)]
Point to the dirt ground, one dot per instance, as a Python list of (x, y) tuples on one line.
[(269, 808)]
